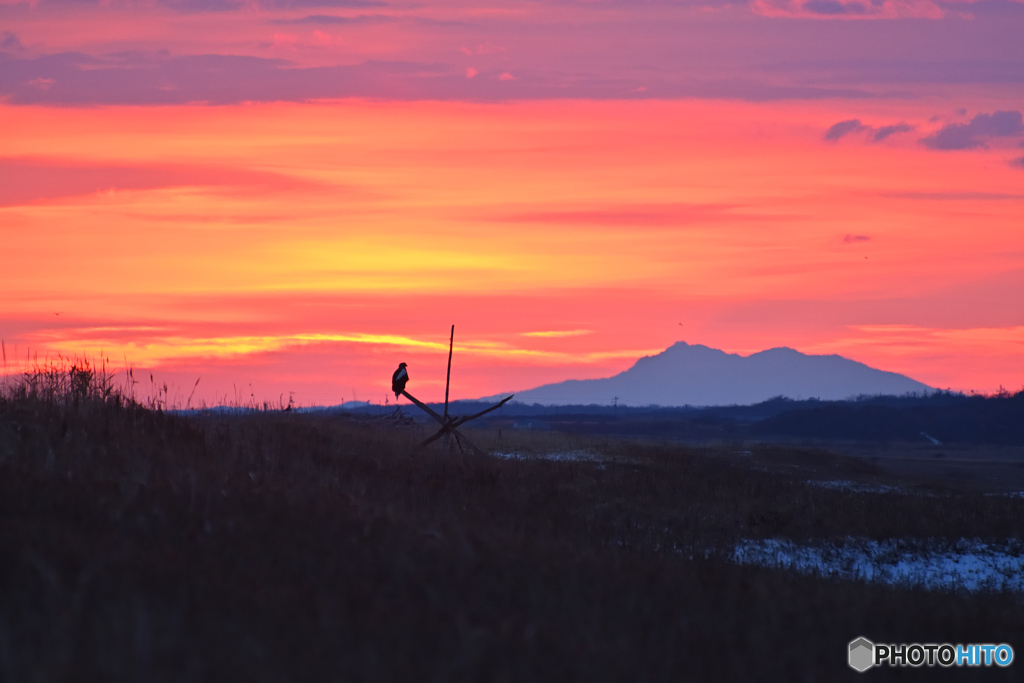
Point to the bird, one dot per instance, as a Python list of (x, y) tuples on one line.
[(399, 379)]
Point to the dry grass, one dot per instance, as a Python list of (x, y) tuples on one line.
[(144, 545)]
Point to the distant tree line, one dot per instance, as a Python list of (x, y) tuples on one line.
[(946, 416), (997, 419)]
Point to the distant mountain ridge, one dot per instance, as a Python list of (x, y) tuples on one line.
[(694, 374)]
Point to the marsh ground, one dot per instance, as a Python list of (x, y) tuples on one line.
[(139, 545)]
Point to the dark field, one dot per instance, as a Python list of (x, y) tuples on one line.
[(944, 417), (144, 546)]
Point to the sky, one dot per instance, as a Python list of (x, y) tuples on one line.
[(264, 201)]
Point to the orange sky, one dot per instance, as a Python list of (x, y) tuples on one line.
[(310, 247)]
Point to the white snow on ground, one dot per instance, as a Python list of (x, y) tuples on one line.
[(856, 486), (967, 565), (586, 456)]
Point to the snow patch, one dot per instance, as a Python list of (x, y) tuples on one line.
[(577, 456), (857, 487), (965, 565)]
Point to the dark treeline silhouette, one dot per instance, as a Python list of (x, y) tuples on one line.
[(740, 413), (995, 419), (945, 416)]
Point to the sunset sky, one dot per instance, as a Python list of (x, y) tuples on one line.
[(291, 197)]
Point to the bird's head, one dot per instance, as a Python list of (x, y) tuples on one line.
[(401, 365)]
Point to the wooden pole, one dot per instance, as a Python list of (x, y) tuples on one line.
[(449, 424), (448, 379)]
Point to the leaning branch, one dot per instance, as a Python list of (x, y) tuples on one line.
[(425, 407), (463, 420)]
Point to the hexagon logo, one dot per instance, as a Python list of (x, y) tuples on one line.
[(862, 654)]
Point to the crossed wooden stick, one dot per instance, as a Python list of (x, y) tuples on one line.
[(449, 424)]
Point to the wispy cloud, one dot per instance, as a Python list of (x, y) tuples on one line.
[(154, 346), (843, 128), (554, 334), (955, 196), (885, 131), (158, 77), (482, 49), (840, 130), (570, 49), (850, 9), (637, 215), (333, 20), (29, 180), (202, 6), (833, 8), (977, 133), (9, 42)]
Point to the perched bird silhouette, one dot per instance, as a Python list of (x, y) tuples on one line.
[(399, 379)]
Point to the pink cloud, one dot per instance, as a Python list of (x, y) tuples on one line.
[(849, 9), (471, 72), (634, 215), (488, 49), (484, 49), (323, 38), (506, 76), (29, 180), (284, 40)]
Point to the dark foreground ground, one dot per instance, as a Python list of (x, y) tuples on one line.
[(142, 546)]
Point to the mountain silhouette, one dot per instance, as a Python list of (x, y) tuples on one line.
[(694, 374)]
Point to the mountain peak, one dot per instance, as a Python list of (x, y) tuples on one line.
[(695, 374), (784, 352), (681, 347)]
